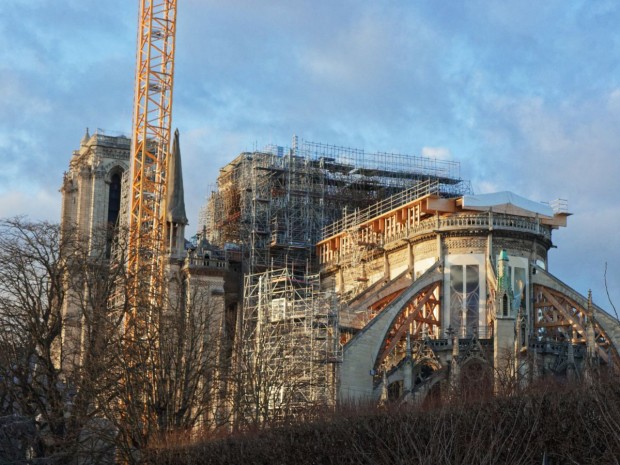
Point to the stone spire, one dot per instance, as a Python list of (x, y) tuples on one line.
[(408, 368), (175, 200), (454, 363), (384, 389), (504, 288), (502, 271), (504, 330), (570, 356), (85, 139), (590, 332), (521, 329)]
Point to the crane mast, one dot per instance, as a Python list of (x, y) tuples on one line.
[(151, 137)]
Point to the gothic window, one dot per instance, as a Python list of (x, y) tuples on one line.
[(114, 198), (456, 296), (519, 287), (476, 380), (464, 297), (505, 305), (114, 208), (472, 296)]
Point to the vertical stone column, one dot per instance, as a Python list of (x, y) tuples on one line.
[(455, 371), (386, 267), (84, 201), (99, 212), (408, 369), (410, 260)]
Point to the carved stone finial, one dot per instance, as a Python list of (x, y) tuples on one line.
[(408, 345), (590, 308), (86, 138)]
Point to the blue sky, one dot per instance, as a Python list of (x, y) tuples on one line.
[(525, 94)]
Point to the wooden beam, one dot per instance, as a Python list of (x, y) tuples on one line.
[(572, 321), (552, 324), (410, 318), (551, 298), (436, 204)]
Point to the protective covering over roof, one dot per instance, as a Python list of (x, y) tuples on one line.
[(175, 199), (506, 202)]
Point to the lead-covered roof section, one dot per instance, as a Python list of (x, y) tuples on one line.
[(506, 202)]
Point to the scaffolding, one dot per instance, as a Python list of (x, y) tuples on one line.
[(274, 203), (290, 345), (422, 188)]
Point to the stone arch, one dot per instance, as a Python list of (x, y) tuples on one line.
[(431, 362), (415, 315), (425, 370), (365, 353), (373, 300), (475, 378), (113, 177), (395, 389), (426, 373), (113, 181), (562, 314), (112, 168)]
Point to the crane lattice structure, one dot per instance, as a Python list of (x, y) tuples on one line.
[(151, 137)]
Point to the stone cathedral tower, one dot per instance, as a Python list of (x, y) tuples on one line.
[(91, 205), (91, 189)]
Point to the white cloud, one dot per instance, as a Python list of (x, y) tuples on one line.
[(40, 204), (440, 153)]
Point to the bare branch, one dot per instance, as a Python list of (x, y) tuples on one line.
[(608, 296)]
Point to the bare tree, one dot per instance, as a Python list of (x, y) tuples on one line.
[(70, 360), (607, 292), (168, 364), (512, 373), (41, 270)]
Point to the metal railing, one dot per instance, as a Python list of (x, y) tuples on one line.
[(206, 262), (357, 217), (220, 259)]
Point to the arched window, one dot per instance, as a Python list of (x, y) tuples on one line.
[(505, 305), (114, 199), (464, 297), (114, 208)]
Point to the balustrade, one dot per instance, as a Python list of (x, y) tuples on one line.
[(483, 220)]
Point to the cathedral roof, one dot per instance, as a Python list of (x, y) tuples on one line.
[(175, 199), (507, 202)]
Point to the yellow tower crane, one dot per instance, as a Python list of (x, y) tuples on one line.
[(151, 137), (150, 149)]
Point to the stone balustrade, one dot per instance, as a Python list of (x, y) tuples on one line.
[(484, 221)]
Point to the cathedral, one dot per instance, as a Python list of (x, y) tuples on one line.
[(359, 277)]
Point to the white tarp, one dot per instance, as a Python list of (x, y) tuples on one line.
[(505, 202)]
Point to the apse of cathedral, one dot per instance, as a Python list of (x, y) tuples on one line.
[(453, 296)]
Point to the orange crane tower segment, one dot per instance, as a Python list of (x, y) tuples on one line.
[(151, 136)]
